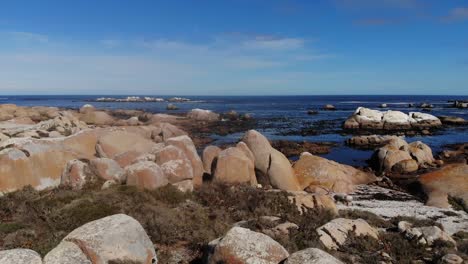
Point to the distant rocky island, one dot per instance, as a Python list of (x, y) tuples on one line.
[(138, 99)]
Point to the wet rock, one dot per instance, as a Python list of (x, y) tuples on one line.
[(241, 245), (20, 256), (452, 120), (234, 166), (202, 115), (146, 175), (291, 148), (329, 107), (312, 112), (335, 233), (209, 155), (231, 115), (426, 105), (321, 175), (116, 238), (370, 142), (312, 256), (460, 104), (172, 107), (449, 180)]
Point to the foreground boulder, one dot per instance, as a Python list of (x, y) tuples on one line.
[(209, 155), (271, 162), (317, 174), (425, 235), (368, 119), (312, 256), (174, 163), (117, 238), (20, 256), (451, 180), (75, 175), (203, 115), (335, 233), (241, 245)]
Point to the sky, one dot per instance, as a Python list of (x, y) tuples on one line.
[(234, 47)]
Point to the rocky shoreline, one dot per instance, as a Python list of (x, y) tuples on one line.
[(69, 176)]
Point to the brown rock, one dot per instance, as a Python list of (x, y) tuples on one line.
[(175, 164), (322, 175), (107, 169), (233, 166), (146, 175), (449, 180), (98, 118), (117, 142), (75, 174), (281, 173), (209, 155), (186, 145)]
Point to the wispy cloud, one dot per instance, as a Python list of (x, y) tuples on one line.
[(28, 36), (110, 43), (270, 43), (457, 14), (380, 4)]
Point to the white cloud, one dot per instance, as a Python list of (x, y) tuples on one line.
[(265, 43), (28, 37)]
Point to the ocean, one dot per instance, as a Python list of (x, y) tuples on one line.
[(285, 117)]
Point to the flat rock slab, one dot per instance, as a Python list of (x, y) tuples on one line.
[(390, 203)]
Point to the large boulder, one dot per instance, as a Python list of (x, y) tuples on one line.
[(117, 239), (209, 155), (421, 152), (271, 162), (146, 175), (335, 233), (203, 115), (241, 245), (312, 256), (451, 180), (20, 256), (261, 149), (174, 163), (98, 118), (368, 119), (185, 143), (120, 141), (318, 174), (107, 169), (233, 166), (280, 172)]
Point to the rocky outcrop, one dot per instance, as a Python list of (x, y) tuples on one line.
[(451, 180), (401, 157), (241, 245), (117, 238), (271, 162), (453, 120), (312, 256), (107, 169), (335, 233), (20, 256), (368, 119), (203, 115), (118, 142), (317, 174)]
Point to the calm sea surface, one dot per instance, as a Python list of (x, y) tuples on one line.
[(285, 117)]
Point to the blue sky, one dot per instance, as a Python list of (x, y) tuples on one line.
[(234, 47)]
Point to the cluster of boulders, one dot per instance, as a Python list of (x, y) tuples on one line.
[(399, 156), (368, 119)]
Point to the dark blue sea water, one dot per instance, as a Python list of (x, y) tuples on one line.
[(284, 117)]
